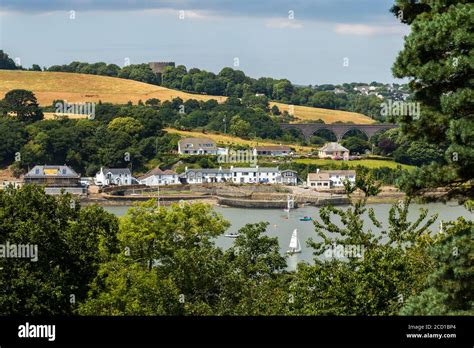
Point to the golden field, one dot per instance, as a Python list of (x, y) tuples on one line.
[(306, 113), (78, 88)]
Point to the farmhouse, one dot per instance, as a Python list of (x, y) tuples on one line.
[(272, 150), (158, 177), (333, 151), (327, 179), (114, 176), (197, 146), (55, 178)]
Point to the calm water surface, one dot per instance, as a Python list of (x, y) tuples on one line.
[(281, 224)]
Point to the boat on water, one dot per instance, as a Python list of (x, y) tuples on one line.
[(295, 245), (306, 218), (232, 235)]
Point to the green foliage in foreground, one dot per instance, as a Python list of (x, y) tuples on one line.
[(71, 244), (164, 261), (450, 288)]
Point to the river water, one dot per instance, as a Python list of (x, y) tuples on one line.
[(282, 224)]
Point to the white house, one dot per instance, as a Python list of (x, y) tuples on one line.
[(254, 175), (327, 179), (272, 150), (199, 175), (158, 177), (334, 151), (197, 146), (114, 176)]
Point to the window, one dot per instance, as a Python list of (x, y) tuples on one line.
[(37, 171)]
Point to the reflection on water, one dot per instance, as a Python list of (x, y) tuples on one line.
[(282, 224)]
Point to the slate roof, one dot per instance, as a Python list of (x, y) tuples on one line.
[(197, 143), (117, 171), (157, 171), (59, 171), (256, 169)]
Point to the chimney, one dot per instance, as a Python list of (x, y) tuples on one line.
[(231, 167), (186, 168), (317, 171), (220, 168)]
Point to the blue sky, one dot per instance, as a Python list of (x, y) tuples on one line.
[(306, 41)]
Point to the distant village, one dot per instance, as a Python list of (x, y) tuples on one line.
[(57, 178)]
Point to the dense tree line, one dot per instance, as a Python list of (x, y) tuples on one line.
[(6, 63), (137, 72), (234, 83), (437, 59)]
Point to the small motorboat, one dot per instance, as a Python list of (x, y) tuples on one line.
[(306, 218), (232, 235)]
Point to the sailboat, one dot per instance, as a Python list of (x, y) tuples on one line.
[(295, 246)]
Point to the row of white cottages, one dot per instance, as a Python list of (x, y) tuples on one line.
[(157, 177)]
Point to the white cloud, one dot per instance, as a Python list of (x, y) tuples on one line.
[(369, 30), (184, 14), (283, 23)]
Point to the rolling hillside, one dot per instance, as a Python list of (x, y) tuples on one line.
[(232, 140), (50, 86)]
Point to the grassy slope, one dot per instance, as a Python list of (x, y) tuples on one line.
[(229, 139), (306, 113), (50, 86), (370, 163)]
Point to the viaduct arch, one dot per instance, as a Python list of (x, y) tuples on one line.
[(308, 129)]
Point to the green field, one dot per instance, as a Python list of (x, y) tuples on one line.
[(369, 163)]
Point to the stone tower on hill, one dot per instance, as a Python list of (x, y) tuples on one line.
[(159, 67)]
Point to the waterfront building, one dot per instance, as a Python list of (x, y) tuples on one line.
[(207, 175), (240, 175), (158, 177), (55, 178), (114, 176), (328, 179)]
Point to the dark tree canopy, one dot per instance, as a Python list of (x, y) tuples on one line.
[(437, 58), (22, 104)]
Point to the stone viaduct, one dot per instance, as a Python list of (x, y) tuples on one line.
[(339, 130)]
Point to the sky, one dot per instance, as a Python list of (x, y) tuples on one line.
[(305, 41)]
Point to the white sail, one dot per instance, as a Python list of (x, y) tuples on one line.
[(294, 243)]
